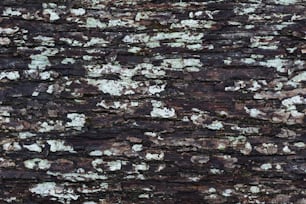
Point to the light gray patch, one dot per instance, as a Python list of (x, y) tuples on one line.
[(60, 192)]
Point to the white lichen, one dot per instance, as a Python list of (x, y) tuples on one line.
[(60, 192), (50, 89), (142, 15), (10, 12), (115, 87), (215, 125), (216, 171), (246, 130), (10, 75), (92, 189), (96, 153), (33, 147), (277, 63), (96, 163), (193, 24), (254, 189), (45, 75), (155, 89), (78, 120), (35, 93), (77, 177), (159, 111), (134, 49), (190, 64), (254, 113), (289, 103), (9, 31), (286, 150), (299, 77), (96, 41), (4, 41), (68, 61), (300, 144), (266, 166), (285, 2), (264, 42), (144, 195), (247, 149), (72, 42), (94, 23), (78, 11), (113, 105), (267, 148), (137, 147), (25, 135), (114, 165), (39, 62), (150, 134), (53, 16), (200, 159), (212, 190), (227, 192), (155, 156), (141, 167), (37, 164), (44, 40), (11, 146), (50, 125), (59, 145)]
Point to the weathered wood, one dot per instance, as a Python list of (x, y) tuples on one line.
[(143, 101)]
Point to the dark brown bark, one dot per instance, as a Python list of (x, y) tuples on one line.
[(105, 101)]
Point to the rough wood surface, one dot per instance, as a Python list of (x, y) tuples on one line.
[(147, 101)]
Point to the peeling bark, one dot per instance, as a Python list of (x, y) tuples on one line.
[(137, 101)]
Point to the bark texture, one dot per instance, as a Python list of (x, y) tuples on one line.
[(148, 101)]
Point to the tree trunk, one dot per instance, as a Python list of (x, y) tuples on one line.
[(146, 101)]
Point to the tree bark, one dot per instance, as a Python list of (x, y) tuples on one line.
[(146, 101)]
